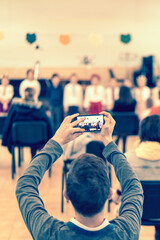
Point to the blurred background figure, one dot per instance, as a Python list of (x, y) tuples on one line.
[(94, 101), (73, 96), (55, 98), (151, 109), (141, 93), (29, 82), (127, 82), (112, 93), (145, 159), (125, 103), (156, 93), (6, 94), (25, 109), (149, 105)]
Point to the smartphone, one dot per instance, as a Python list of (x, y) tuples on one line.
[(92, 122)]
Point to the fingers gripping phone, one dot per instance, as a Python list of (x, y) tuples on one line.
[(92, 122)]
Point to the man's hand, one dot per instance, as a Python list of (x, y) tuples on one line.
[(68, 130), (107, 128)]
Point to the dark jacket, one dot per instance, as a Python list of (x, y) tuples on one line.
[(43, 226), (55, 95), (22, 110), (124, 107)]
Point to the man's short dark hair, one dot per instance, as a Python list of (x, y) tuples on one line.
[(55, 75), (30, 70), (88, 185), (150, 129)]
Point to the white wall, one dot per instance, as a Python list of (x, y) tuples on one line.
[(80, 18)]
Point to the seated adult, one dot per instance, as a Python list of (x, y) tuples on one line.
[(26, 109), (125, 103), (6, 94), (87, 187), (30, 82), (145, 159)]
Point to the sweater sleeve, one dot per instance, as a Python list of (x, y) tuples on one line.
[(31, 205), (130, 212)]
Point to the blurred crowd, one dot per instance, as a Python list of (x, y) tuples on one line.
[(72, 98)]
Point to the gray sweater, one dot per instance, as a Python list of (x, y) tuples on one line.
[(42, 226)]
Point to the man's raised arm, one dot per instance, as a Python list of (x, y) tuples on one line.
[(31, 205)]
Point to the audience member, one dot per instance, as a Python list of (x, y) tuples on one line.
[(94, 100), (125, 103), (141, 93), (73, 96), (145, 159), (87, 187), (6, 94), (25, 109), (55, 97), (29, 82), (112, 93), (156, 93)]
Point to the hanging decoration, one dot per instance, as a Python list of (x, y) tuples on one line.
[(31, 37), (125, 38), (64, 39), (1, 35), (95, 39)]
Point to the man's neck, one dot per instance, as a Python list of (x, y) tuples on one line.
[(91, 222)]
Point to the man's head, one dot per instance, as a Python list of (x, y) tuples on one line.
[(29, 94), (30, 74), (55, 79), (73, 78), (150, 129), (88, 185)]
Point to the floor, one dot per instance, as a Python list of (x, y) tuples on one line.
[(12, 226)]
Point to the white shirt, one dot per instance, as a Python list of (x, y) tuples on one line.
[(73, 95), (93, 94), (155, 96), (145, 92), (30, 84), (141, 95), (77, 223), (9, 92), (77, 147), (109, 98)]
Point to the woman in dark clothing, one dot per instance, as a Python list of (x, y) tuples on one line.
[(25, 110), (125, 103)]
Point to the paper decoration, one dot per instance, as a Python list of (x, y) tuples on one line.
[(64, 39), (31, 37), (125, 38), (95, 39), (1, 35)]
